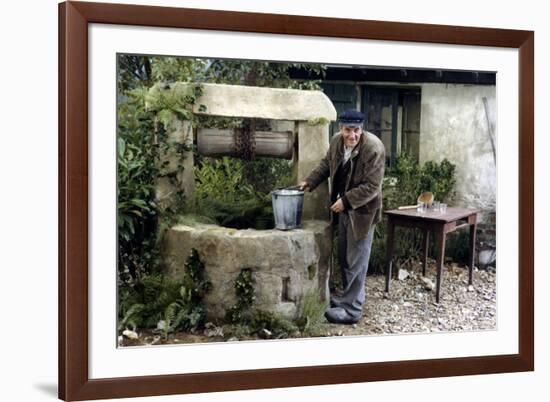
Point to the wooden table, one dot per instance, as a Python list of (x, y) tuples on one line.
[(439, 224)]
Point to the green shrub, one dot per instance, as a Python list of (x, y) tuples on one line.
[(244, 320), (311, 314), (224, 195), (408, 179), (271, 325), (158, 302), (136, 172), (239, 331), (265, 174), (222, 179), (402, 185), (142, 304)]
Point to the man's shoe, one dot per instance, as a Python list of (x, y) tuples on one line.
[(337, 315), (335, 302)]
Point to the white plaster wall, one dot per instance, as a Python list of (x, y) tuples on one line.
[(453, 125)]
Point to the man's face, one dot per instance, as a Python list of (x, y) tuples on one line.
[(351, 134)]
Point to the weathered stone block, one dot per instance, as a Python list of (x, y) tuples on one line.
[(313, 143), (258, 102), (285, 265), (174, 161)]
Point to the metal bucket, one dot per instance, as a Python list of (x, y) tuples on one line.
[(287, 208)]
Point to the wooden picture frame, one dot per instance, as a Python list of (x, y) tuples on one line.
[(74, 381)]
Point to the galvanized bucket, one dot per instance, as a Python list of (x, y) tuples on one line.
[(287, 208)]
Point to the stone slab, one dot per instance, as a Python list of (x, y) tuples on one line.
[(258, 102)]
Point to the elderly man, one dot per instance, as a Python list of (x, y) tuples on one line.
[(354, 164)]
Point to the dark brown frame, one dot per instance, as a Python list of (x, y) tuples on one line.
[(74, 18)]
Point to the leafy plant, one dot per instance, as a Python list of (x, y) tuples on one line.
[(141, 141), (181, 315), (157, 302), (311, 314), (133, 317), (195, 285), (222, 179), (265, 174), (247, 320), (143, 303), (223, 194), (240, 313), (136, 172), (238, 331), (262, 73), (173, 69), (270, 325), (169, 102), (175, 315)]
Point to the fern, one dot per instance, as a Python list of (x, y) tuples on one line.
[(169, 316), (156, 298), (180, 319), (132, 317)]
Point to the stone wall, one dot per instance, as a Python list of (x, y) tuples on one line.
[(285, 265)]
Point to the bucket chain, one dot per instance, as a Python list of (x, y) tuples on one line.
[(245, 140)]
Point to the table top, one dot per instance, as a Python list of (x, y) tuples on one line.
[(452, 214)]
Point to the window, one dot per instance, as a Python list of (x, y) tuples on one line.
[(393, 114)]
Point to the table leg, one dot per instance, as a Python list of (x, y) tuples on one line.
[(425, 257), (472, 252), (389, 252), (440, 260)]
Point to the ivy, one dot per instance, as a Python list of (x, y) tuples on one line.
[(241, 312), (248, 320)]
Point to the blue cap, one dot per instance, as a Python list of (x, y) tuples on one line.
[(351, 117)]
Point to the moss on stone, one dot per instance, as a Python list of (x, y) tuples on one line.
[(318, 121), (312, 271)]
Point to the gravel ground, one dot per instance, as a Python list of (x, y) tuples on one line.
[(410, 305), (408, 308)]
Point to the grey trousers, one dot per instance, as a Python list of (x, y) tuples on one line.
[(353, 257)]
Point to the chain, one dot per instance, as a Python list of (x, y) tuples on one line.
[(245, 141)]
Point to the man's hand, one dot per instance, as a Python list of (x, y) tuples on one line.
[(338, 206), (303, 186)]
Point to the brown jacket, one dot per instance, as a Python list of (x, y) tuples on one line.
[(364, 185)]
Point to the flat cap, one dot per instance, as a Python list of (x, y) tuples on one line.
[(351, 116)]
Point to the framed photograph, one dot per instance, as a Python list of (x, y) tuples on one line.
[(185, 138)]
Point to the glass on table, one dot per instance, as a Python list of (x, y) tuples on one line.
[(421, 207), (435, 206), (442, 208)]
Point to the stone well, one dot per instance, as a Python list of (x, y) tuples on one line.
[(285, 265)]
